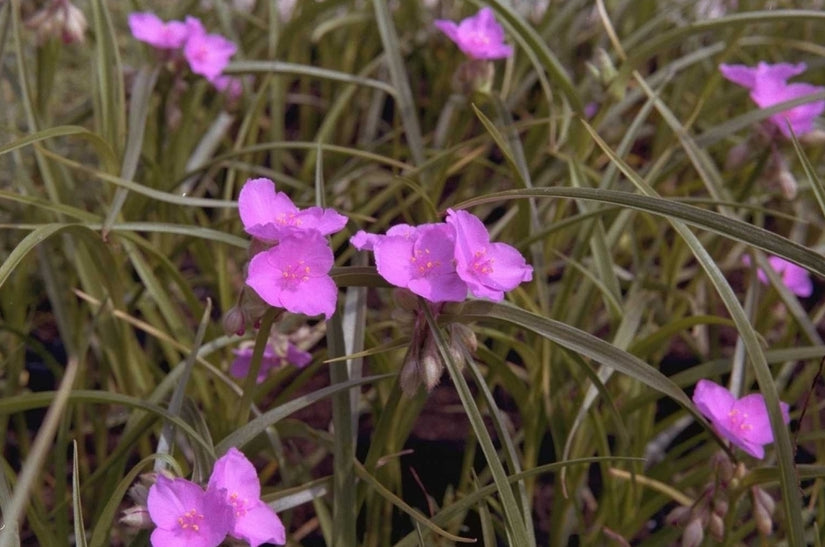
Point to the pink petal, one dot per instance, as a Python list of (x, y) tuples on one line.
[(236, 474), (260, 525), (392, 259), (739, 74), (317, 296), (713, 400), (149, 28), (258, 202)]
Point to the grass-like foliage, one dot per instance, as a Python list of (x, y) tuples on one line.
[(671, 217)]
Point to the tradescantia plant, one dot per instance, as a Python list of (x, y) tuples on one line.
[(410, 273)]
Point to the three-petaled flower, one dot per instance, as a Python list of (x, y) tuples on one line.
[(207, 54), (294, 274), (795, 278), (768, 86), (442, 262), (479, 36), (185, 514), (273, 357), (744, 422)]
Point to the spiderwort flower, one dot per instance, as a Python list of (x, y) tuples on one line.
[(479, 36), (744, 422), (294, 274), (149, 28), (186, 515), (267, 214), (272, 358), (768, 86), (489, 269), (417, 258), (795, 278), (207, 54), (235, 478)]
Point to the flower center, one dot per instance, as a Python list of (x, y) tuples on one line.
[(295, 274), (190, 520), (288, 219), (423, 262), (238, 504), (482, 264), (739, 420)]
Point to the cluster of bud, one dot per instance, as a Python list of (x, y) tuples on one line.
[(60, 19)]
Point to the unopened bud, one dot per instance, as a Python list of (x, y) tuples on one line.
[(720, 507), (137, 517), (760, 497), (233, 321), (409, 378), (723, 466), (716, 527), (59, 19), (694, 534), (787, 183), (431, 365), (737, 156), (474, 75), (817, 136), (604, 64), (678, 516), (464, 335), (763, 519)]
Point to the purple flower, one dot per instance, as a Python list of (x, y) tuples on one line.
[(768, 86), (488, 269), (148, 27), (267, 214), (186, 515), (294, 274), (795, 278), (744, 422), (207, 54), (479, 36), (417, 258), (235, 479), (291, 355), (233, 87)]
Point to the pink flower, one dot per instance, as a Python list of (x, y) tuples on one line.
[(186, 515), (235, 479), (744, 422), (266, 214), (292, 355), (768, 86), (479, 36), (207, 54), (417, 258), (796, 278), (294, 274), (233, 87), (488, 269), (148, 27)]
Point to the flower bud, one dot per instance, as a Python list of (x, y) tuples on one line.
[(137, 517), (737, 156), (787, 183), (474, 75), (762, 518), (764, 499), (723, 466), (720, 507), (409, 378), (815, 137), (716, 527), (60, 19), (607, 70), (233, 321), (694, 533), (678, 516), (431, 365), (465, 336)]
